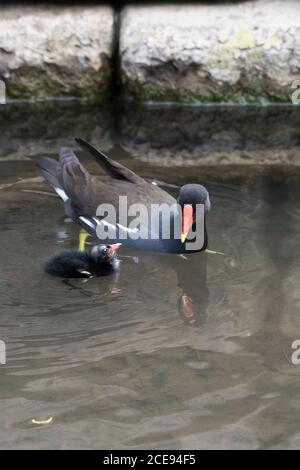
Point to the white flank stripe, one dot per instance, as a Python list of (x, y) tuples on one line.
[(61, 194)]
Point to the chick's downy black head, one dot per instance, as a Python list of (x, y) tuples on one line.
[(105, 253)]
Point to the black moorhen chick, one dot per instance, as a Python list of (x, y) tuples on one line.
[(101, 260)]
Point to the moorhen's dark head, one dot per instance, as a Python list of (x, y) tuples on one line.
[(102, 254), (189, 196)]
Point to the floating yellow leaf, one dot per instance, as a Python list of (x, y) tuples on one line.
[(211, 252), (42, 421)]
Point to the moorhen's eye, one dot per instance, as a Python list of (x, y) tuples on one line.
[(104, 251)]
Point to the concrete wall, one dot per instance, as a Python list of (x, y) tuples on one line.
[(242, 52), (56, 51), (239, 52)]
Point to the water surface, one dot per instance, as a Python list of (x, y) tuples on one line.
[(118, 362)]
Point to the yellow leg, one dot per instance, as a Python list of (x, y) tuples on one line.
[(83, 235)]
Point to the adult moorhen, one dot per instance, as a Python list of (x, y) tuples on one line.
[(82, 193), (101, 260)]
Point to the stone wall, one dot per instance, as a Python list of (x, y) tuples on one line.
[(238, 52), (56, 51), (242, 52)]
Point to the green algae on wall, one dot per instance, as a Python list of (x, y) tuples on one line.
[(246, 53)]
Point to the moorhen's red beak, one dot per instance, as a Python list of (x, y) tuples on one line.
[(112, 249), (187, 221)]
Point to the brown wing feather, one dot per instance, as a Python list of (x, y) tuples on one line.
[(86, 192), (114, 169)]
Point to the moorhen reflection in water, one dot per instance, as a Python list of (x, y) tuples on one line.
[(193, 301)]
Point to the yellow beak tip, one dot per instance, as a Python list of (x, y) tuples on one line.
[(183, 238)]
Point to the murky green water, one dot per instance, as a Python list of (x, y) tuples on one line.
[(116, 361)]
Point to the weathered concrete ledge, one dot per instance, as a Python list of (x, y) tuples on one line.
[(56, 51), (211, 53)]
